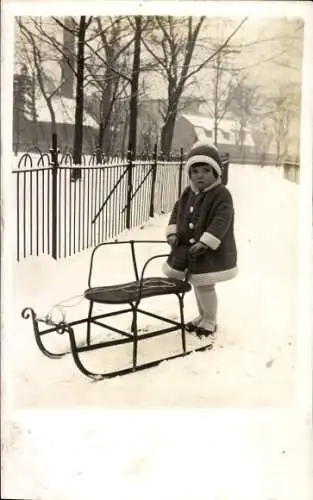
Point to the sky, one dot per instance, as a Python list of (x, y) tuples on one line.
[(253, 59)]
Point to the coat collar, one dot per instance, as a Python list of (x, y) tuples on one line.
[(196, 191)]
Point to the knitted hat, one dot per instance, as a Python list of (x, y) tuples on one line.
[(204, 152)]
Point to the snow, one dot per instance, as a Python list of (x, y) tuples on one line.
[(252, 365), (253, 359), (64, 109), (204, 123)]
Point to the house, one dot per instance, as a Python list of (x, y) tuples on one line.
[(151, 118), (31, 116), (34, 128), (190, 128)]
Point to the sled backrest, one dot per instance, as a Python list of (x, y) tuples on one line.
[(138, 252)]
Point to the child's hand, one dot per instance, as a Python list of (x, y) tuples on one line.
[(198, 248), (172, 240)]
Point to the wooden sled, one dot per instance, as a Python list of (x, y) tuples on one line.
[(130, 295)]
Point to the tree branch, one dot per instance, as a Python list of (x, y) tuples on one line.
[(218, 50), (118, 73)]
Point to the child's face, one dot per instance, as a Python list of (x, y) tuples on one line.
[(202, 176)]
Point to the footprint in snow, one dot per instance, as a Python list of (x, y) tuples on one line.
[(270, 363)]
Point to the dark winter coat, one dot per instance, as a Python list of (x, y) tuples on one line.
[(208, 217)]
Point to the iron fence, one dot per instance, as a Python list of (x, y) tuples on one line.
[(60, 213), (58, 217)]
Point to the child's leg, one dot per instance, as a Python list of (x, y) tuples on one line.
[(206, 295), (196, 321)]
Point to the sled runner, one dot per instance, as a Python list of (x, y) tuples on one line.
[(130, 296)]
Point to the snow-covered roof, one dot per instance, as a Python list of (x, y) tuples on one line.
[(208, 123), (64, 112), (203, 123)]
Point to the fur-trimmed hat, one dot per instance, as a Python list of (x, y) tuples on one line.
[(204, 152)]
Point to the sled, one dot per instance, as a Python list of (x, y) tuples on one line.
[(129, 296)]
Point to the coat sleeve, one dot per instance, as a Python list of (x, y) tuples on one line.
[(171, 228), (219, 225)]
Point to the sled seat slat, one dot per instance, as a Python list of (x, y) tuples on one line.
[(135, 290)]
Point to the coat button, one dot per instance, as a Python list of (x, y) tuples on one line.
[(191, 226), (192, 240), (191, 209)]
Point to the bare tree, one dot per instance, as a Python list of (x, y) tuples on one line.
[(246, 102), (275, 118), (77, 62), (79, 30), (132, 140), (27, 70), (108, 73), (176, 40), (283, 104), (222, 86), (126, 74), (40, 55), (262, 133), (79, 109)]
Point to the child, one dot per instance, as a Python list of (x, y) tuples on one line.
[(201, 235)]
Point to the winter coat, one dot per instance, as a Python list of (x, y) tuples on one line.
[(206, 216)]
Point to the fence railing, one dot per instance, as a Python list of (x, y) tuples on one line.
[(58, 217)]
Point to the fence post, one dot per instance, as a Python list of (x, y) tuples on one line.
[(154, 172), (55, 163), (225, 169), (180, 175), (129, 187)]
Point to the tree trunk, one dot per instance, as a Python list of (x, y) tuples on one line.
[(278, 151), (124, 132), (242, 139), (103, 142), (52, 116), (68, 58), (33, 99), (167, 132), (104, 135), (132, 138), (216, 98), (53, 127), (79, 110), (100, 142)]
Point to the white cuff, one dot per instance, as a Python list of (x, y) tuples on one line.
[(170, 272), (210, 241), (170, 229)]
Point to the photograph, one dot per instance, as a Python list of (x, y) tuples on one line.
[(154, 210), (156, 250)]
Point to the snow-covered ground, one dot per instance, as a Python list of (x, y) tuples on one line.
[(253, 361), (207, 455)]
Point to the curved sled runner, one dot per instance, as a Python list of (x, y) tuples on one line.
[(128, 294)]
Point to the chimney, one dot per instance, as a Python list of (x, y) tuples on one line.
[(68, 60)]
